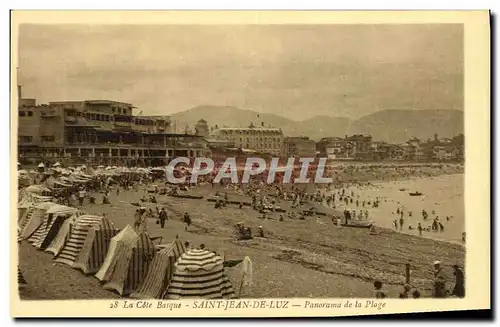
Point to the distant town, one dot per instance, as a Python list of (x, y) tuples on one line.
[(104, 132)]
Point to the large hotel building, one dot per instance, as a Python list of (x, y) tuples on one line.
[(98, 132), (258, 139)]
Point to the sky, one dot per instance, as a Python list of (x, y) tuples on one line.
[(296, 71)]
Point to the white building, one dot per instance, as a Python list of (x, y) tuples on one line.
[(260, 139)]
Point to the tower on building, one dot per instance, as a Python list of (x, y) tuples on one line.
[(201, 128)]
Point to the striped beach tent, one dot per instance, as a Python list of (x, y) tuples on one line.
[(52, 222), (129, 264), (87, 243), (21, 282), (22, 211), (199, 273), (155, 284), (62, 236), (125, 236), (35, 219)]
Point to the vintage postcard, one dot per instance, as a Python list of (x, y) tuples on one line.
[(249, 164)]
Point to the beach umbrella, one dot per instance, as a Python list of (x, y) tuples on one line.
[(41, 165), (199, 273), (57, 164)]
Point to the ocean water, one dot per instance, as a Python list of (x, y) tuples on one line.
[(442, 194)]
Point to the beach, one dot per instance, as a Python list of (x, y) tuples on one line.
[(326, 260)]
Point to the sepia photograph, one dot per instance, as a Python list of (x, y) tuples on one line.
[(242, 161)]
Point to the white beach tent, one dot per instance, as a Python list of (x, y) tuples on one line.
[(126, 266), (87, 243), (126, 235), (52, 221), (155, 284)]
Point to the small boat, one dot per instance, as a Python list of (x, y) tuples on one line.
[(415, 194), (357, 224), (402, 189)]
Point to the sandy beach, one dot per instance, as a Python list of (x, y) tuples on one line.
[(327, 261)]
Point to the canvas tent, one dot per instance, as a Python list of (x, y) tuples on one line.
[(52, 222), (155, 284), (199, 273), (34, 219), (87, 243), (127, 263), (62, 236), (21, 282)]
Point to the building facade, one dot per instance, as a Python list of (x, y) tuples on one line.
[(300, 146), (259, 139), (99, 132)]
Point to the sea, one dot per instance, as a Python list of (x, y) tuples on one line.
[(442, 196)]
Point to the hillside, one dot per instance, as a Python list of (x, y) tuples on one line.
[(386, 125), (400, 125)]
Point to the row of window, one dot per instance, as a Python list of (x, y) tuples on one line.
[(44, 138), (108, 118), (250, 132), (25, 113), (260, 146), (266, 139)]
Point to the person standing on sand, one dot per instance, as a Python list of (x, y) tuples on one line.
[(401, 221), (439, 281), (81, 196), (163, 217), (420, 229), (379, 293), (137, 219), (406, 292), (459, 289), (187, 220)]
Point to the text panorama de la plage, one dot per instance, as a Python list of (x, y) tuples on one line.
[(248, 304)]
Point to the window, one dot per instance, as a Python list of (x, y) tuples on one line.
[(25, 139), (30, 113), (48, 138), (22, 113)]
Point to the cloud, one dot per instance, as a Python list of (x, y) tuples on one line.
[(297, 71)]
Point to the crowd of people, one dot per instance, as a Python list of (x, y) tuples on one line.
[(440, 289)]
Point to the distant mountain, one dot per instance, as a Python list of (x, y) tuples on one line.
[(320, 126), (226, 116), (386, 125), (400, 125)]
